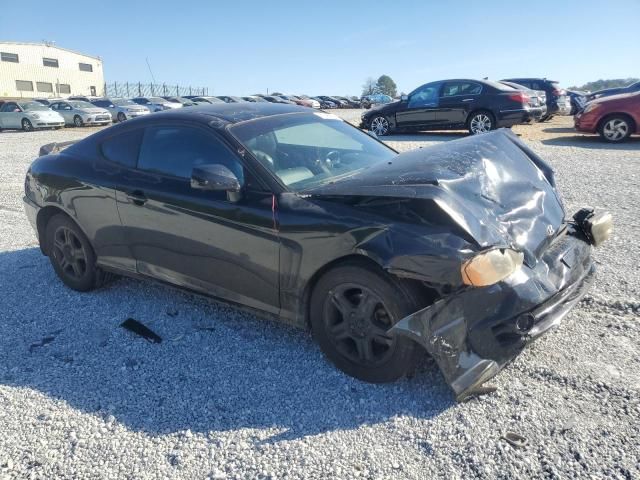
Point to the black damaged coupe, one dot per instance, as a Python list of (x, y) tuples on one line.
[(463, 249)]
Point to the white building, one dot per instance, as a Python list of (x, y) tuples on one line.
[(34, 70)]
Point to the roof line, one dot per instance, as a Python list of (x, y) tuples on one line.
[(42, 44)]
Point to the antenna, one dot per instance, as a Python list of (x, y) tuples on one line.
[(148, 65)]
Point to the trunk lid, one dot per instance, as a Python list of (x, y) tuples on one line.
[(492, 185)]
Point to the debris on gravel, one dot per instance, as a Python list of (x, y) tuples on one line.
[(230, 396)]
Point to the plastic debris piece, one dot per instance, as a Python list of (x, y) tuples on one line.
[(142, 330), (515, 440)]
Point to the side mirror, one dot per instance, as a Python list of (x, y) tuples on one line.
[(404, 98), (214, 177)]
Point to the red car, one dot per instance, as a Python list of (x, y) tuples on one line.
[(614, 118)]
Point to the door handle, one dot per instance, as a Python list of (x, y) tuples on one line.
[(468, 100), (137, 197)]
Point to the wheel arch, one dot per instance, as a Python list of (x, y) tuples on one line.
[(45, 214), (478, 110), (350, 259), (412, 288), (632, 122)]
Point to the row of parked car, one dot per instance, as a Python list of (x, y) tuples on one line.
[(484, 105), (88, 111)]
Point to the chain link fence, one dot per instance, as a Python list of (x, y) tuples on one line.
[(138, 89)]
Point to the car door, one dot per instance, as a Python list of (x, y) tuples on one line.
[(457, 100), (11, 115), (66, 110), (419, 110), (199, 239)]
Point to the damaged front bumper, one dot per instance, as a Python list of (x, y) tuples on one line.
[(473, 333)]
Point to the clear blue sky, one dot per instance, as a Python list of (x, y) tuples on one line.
[(330, 47)]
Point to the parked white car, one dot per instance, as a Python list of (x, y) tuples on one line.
[(156, 104), (28, 116), (564, 105), (121, 109), (80, 113)]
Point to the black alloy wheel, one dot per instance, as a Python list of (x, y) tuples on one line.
[(351, 311), (71, 254)]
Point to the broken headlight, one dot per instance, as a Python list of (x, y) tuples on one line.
[(490, 267)]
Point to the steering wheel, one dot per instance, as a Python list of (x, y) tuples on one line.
[(331, 161)]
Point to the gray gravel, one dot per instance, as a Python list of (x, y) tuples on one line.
[(227, 395)]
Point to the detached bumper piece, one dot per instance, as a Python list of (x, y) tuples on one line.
[(473, 333)]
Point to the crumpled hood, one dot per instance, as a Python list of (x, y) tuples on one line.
[(492, 185)]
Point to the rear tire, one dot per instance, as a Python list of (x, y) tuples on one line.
[(71, 254), (351, 309), (481, 121), (615, 128)]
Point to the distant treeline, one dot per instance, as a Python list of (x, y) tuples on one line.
[(600, 84)]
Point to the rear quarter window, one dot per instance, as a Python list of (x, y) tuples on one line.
[(123, 148)]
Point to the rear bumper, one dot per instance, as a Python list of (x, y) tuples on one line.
[(474, 333), (509, 118)]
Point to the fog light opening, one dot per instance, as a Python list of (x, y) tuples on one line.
[(525, 322)]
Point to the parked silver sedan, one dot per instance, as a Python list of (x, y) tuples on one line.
[(121, 109), (80, 113), (156, 104), (28, 116)]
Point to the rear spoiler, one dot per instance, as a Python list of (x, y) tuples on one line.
[(55, 147)]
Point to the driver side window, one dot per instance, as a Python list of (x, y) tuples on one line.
[(425, 96), (175, 150)]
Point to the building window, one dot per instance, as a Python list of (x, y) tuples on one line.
[(86, 67), (44, 87), (24, 86), (64, 88), (50, 62), (9, 57)]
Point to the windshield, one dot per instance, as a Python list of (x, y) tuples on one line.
[(81, 104), (33, 106), (122, 102), (156, 100), (306, 150)]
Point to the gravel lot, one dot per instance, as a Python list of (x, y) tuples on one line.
[(227, 395)]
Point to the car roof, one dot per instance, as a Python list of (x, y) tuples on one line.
[(229, 113)]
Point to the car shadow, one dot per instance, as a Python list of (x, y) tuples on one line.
[(559, 130), (593, 142), (217, 368), (434, 136)]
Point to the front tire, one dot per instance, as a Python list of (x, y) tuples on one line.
[(121, 117), (351, 309), (615, 129), (380, 125), (481, 122), (71, 255), (26, 125), (77, 121)]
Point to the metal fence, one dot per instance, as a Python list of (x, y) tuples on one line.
[(138, 89)]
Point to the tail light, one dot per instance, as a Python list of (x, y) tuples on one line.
[(520, 97)]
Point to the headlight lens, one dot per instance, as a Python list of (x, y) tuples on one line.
[(490, 267), (35, 115)]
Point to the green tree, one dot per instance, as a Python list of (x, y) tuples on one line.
[(600, 84), (386, 86)]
